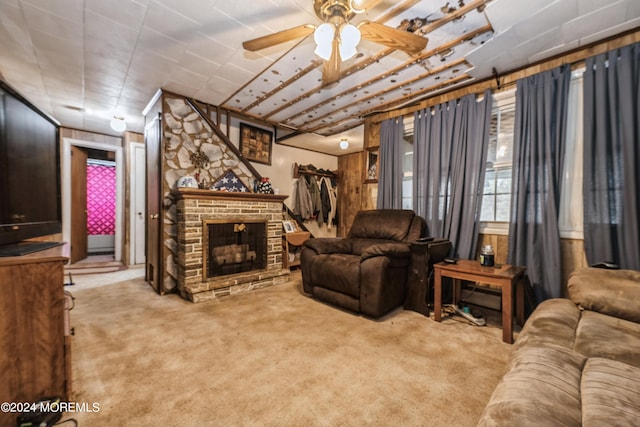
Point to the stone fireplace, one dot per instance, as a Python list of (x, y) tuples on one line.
[(228, 243)]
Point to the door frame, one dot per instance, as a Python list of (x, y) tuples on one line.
[(133, 190), (66, 189)]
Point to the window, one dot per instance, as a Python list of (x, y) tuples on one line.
[(407, 166), (496, 200), (496, 197), (570, 218)]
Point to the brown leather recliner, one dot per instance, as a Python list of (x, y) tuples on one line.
[(365, 272)]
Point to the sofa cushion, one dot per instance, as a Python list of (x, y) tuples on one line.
[(337, 272), (554, 322), (610, 393), (599, 335), (329, 245), (388, 224), (612, 292), (359, 245), (537, 378)]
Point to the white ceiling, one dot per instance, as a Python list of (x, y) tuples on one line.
[(81, 61)]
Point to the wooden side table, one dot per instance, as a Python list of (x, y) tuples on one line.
[(505, 276), (291, 243)]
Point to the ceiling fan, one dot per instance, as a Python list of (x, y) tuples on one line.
[(337, 39)]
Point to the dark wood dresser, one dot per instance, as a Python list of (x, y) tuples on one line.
[(35, 357)]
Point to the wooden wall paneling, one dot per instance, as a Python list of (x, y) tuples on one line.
[(90, 136), (349, 190), (369, 194), (371, 134), (572, 252), (369, 197), (500, 245)]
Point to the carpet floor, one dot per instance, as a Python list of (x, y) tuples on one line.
[(273, 357), (94, 265)]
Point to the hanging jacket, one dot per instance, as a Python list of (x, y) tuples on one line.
[(303, 203), (331, 191), (314, 190)]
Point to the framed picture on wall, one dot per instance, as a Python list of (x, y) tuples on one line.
[(371, 165), (256, 144)]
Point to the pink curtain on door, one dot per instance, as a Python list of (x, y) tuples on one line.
[(101, 199)]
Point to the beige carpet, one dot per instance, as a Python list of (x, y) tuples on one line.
[(273, 357)]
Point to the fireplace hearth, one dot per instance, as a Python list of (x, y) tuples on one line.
[(228, 243)]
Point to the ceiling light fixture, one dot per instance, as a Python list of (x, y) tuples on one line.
[(323, 37), (349, 39), (118, 124), (337, 30), (348, 36), (344, 144)]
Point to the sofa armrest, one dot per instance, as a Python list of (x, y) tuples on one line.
[(329, 245), (612, 292), (438, 250), (391, 249)]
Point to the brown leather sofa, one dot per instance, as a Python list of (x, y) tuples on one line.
[(577, 360), (366, 272)]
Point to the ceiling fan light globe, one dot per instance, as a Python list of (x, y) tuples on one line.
[(347, 52), (323, 51), (349, 39), (323, 37), (344, 144), (350, 34)]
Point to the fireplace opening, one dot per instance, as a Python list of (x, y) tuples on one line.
[(234, 247)]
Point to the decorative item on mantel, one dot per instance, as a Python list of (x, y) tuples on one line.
[(200, 160), (187, 181), (228, 181), (265, 186)]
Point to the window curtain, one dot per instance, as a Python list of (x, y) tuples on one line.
[(612, 157), (540, 128), (449, 158), (390, 163)]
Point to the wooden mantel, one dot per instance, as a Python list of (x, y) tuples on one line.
[(196, 193)]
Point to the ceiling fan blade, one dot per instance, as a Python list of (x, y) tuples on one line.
[(279, 37), (392, 37), (331, 70)]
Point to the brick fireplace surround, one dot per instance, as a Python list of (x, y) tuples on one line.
[(194, 208)]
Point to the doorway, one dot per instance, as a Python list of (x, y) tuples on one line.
[(111, 151)]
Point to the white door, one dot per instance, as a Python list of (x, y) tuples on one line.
[(138, 213)]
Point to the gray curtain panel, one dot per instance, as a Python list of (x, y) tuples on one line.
[(390, 173), (449, 159), (612, 157), (540, 128)]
